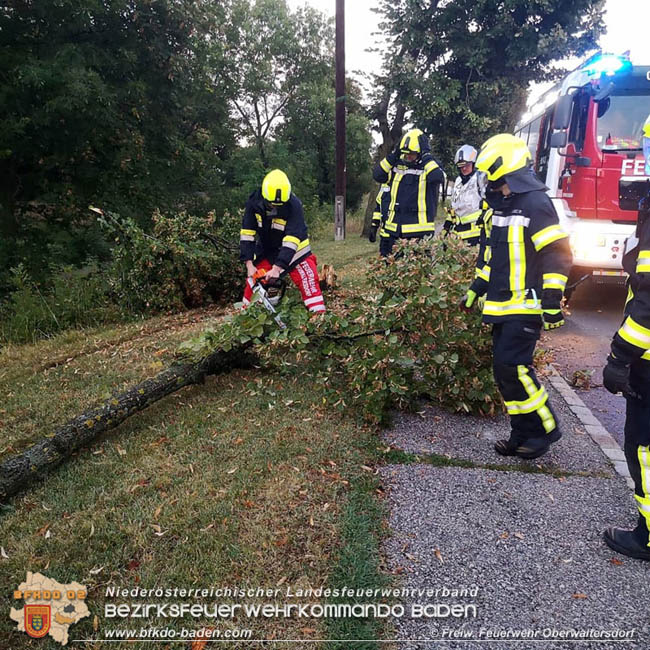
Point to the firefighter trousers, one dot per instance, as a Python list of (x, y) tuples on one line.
[(386, 245), (304, 276), (637, 443), (513, 344)]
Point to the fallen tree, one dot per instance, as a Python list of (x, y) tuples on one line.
[(377, 348), (18, 472)]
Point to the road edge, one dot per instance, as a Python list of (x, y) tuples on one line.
[(592, 425)]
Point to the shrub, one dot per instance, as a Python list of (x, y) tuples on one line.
[(175, 266)]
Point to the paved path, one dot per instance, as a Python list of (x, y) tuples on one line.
[(529, 543)]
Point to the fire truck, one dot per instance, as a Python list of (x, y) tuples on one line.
[(585, 136)]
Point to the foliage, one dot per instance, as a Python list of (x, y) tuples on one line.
[(175, 266), (110, 103), (274, 52), (375, 352), (582, 379), (308, 134), (460, 69), (282, 68), (497, 49), (176, 105), (75, 298)]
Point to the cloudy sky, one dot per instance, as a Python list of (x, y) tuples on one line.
[(626, 20)]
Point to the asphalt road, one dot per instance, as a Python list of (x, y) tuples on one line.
[(594, 314)]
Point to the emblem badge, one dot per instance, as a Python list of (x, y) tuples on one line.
[(37, 620)]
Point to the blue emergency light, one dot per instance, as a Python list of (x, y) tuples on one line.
[(607, 64)]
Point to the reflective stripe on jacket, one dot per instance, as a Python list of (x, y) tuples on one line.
[(466, 200)]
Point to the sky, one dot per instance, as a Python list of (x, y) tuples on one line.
[(627, 24)]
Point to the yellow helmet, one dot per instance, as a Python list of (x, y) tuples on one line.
[(276, 188), (410, 143), (503, 154)]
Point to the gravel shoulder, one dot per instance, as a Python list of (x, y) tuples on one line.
[(531, 546), (529, 543), (470, 438)]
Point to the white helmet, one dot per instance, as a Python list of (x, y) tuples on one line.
[(466, 154)]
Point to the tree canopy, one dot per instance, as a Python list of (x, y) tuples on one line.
[(461, 69), (138, 105)]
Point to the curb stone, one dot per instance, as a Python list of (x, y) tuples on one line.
[(594, 428)]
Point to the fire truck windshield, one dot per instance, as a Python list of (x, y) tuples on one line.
[(621, 120)]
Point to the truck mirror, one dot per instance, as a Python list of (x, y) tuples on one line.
[(559, 140), (603, 106), (562, 114), (631, 192), (604, 92), (583, 161)]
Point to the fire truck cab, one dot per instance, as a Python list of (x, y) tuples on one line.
[(585, 135)]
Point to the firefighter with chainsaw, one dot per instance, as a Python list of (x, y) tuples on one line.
[(628, 372), (274, 241), (468, 207), (414, 179), (523, 283)]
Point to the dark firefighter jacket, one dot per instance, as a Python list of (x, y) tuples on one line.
[(413, 195), (529, 254), (632, 341), (278, 235)]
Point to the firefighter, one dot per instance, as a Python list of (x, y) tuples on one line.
[(628, 372), (523, 282), (414, 179), (467, 210), (274, 237)]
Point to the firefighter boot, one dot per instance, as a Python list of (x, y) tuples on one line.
[(527, 448), (633, 543), (508, 447)]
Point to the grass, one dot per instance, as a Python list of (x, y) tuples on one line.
[(349, 257), (358, 563), (244, 481), (45, 384)]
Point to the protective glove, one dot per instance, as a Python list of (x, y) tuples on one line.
[(552, 308), (616, 377), (481, 303), (553, 318), (393, 157), (372, 237), (274, 290), (467, 300), (425, 146)]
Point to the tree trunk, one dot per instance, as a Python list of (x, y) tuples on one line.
[(18, 472), (262, 151), (390, 134)]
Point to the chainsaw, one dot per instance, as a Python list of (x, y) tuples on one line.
[(269, 292)]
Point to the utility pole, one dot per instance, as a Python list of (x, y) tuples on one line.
[(339, 202)]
